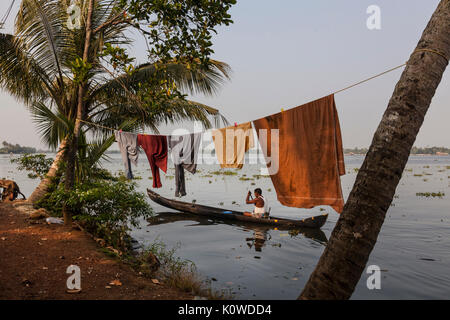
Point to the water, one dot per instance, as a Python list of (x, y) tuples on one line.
[(413, 248)]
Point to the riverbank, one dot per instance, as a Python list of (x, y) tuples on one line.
[(34, 258)]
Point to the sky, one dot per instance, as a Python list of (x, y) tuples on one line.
[(286, 53)]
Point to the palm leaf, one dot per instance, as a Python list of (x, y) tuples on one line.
[(52, 126), (20, 75)]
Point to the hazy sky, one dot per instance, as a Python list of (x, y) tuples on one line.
[(286, 53)]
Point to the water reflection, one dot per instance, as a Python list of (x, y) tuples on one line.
[(261, 234)]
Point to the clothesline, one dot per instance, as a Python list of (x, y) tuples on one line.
[(368, 79), (336, 92), (312, 182)]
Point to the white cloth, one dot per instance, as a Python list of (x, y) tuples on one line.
[(258, 212)]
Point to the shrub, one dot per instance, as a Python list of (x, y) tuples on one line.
[(38, 164), (106, 208)]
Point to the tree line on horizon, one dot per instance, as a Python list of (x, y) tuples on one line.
[(18, 149), (15, 148), (414, 150)]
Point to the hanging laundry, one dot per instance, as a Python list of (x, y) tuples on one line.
[(184, 151), (128, 149), (306, 169), (232, 143), (155, 148)]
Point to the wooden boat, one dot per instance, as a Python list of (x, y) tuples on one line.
[(192, 208)]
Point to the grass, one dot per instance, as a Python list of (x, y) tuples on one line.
[(177, 272)]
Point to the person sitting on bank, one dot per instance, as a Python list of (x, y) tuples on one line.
[(259, 202)]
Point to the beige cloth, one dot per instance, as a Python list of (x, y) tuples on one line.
[(232, 143), (310, 160)]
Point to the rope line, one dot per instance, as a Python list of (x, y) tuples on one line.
[(432, 51), (371, 78), (94, 124), (336, 92)]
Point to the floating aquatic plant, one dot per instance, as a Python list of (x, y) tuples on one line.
[(431, 194), (225, 173), (258, 176)]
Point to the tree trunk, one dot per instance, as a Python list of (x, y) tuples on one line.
[(344, 259), (73, 149), (43, 187)]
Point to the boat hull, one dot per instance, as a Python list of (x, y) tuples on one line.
[(212, 212)]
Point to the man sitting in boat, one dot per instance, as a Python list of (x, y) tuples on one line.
[(260, 204)]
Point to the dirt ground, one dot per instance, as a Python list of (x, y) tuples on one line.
[(34, 259)]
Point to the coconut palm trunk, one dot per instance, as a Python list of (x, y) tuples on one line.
[(344, 259), (70, 171), (43, 188)]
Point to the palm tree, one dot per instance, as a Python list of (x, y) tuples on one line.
[(38, 66), (355, 234)]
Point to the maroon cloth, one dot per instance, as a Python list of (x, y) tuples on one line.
[(155, 148)]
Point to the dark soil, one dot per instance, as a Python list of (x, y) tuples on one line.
[(34, 257)]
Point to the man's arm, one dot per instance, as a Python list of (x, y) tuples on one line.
[(248, 201)]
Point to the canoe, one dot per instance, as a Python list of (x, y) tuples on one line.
[(196, 209)]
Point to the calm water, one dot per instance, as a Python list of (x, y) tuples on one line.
[(413, 248)]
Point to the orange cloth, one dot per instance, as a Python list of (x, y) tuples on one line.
[(232, 143), (311, 158)]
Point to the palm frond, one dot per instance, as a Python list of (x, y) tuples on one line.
[(91, 154), (20, 75), (199, 80), (40, 27), (52, 126)]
